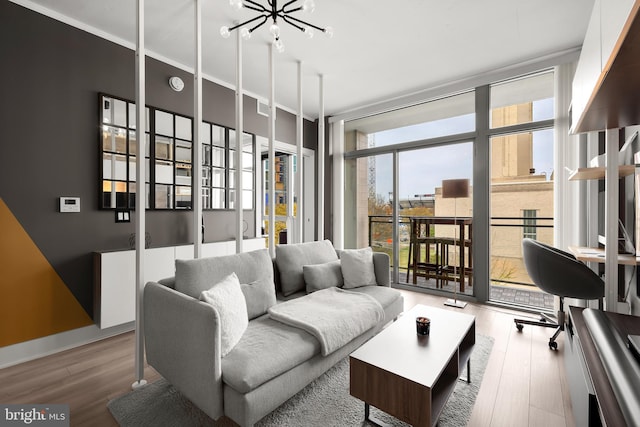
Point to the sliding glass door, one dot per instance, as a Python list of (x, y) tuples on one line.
[(436, 244), (434, 233)]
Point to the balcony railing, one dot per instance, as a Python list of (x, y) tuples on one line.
[(506, 241)]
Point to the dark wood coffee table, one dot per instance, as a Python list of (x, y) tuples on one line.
[(410, 376)]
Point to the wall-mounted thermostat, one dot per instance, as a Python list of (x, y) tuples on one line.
[(69, 204)]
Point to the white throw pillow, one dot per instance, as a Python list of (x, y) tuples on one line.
[(357, 268), (227, 298)]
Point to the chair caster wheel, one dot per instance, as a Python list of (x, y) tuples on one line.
[(553, 345), (519, 326)]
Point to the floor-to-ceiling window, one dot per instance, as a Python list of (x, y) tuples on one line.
[(521, 199), (395, 166)]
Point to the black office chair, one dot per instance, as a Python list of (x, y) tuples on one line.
[(558, 273)]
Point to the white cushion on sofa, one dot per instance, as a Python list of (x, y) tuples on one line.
[(357, 268), (322, 276), (228, 300)]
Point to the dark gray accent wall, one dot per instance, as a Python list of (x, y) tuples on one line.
[(52, 74)]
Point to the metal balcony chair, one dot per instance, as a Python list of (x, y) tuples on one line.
[(558, 273)]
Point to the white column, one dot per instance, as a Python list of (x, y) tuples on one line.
[(299, 187), (239, 140), (611, 216), (567, 210), (321, 161), (196, 167), (140, 193), (395, 212), (272, 153), (566, 193), (337, 190)]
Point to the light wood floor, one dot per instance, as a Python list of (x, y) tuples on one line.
[(524, 383)]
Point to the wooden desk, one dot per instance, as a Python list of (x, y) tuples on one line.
[(421, 234), (586, 254)]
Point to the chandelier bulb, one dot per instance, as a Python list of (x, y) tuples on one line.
[(328, 31), (275, 30), (245, 33), (279, 45), (309, 6), (236, 4), (309, 32), (224, 32)]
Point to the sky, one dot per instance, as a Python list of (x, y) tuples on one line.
[(421, 171)]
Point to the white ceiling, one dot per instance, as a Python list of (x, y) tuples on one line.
[(381, 49)]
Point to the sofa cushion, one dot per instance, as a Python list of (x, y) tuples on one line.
[(228, 300), (357, 267), (255, 268), (290, 260), (383, 294), (267, 349), (321, 276), (260, 295)]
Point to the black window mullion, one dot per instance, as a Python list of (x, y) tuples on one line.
[(227, 168), (152, 158), (174, 145)]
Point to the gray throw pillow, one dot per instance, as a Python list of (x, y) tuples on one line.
[(227, 298), (357, 268), (291, 258), (260, 296), (322, 276)]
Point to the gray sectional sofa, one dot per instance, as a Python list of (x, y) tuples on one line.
[(187, 340)]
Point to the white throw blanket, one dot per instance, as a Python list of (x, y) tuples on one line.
[(334, 316)]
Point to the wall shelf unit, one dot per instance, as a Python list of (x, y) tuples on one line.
[(605, 98), (607, 80), (599, 172)]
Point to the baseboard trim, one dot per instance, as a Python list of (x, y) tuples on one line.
[(30, 350)]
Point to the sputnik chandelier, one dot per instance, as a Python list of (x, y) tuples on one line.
[(272, 11)]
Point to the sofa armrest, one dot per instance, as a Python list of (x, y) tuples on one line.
[(382, 269), (182, 338)]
